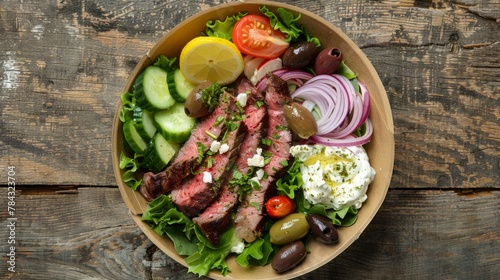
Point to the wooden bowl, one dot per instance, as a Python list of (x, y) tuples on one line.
[(380, 149)]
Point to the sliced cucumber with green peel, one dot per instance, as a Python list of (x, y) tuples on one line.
[(151, 90), (178, 85), (133, 138), (144, 123), (159, 153), (173, 123)]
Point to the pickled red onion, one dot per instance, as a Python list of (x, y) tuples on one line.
[(297, 77), (342, 110)]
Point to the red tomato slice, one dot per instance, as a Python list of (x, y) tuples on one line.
[(279, 206), (253, 35)]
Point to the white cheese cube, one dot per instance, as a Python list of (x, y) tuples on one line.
[(257, 160), (215, 146), (207, 177), (242, 99), (223, 148)]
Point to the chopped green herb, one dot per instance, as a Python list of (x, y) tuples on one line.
[(201, 151), (266, 141), (255, 204), (213, 136)]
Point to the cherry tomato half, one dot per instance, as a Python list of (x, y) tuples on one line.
[(253, 35), (279, 206)]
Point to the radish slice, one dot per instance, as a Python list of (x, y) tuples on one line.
[(264, 68), (251, 65)]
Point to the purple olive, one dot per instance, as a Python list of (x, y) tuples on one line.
[(289, 256), (299, 55), (322, 229), (328, 61)]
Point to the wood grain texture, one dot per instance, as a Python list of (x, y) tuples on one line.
[(64, 64), (414, 234)]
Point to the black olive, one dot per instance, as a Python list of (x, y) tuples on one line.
[(289, 256), (328, 61), (194, 105), (299, 55), (322, 229)]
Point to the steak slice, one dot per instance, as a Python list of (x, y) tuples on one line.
[(217, 217), (195, 194), (187, 159), (249, 219)]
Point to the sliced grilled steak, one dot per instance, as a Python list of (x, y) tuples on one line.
[(217, 217), (194, 195), (153, 185), (249, 219)]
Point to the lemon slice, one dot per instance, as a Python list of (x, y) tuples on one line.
[(211, 59)]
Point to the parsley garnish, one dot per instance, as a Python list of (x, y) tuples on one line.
[(210, 95), (266, 141)]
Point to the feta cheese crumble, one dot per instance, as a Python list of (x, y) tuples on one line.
[(215, 146), (207, 177), (257, 160), (336, 177), (242, 99), (238, 248), (223, 148)]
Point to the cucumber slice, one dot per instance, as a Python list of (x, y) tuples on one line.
[(151, 90), (174, 124), (144, 123), (133, 138), (178, 85), (159, 153)]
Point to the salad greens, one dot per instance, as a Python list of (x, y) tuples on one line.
[(223, 29), (291, 185), (165, 63), (284, 21), (287, 24), (165, 219), (130, 165)]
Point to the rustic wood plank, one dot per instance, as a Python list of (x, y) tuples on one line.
[(64, 64), (423, 234)]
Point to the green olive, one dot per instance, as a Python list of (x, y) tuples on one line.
[(194, 105), (291, 228), (300, 120)]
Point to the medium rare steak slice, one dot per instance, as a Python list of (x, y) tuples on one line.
[(217, 217), (198, 191), (153, 185), (249, 219)]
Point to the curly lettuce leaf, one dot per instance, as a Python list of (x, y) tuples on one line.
[(165, 63), (258, 253), (128, 105), (164, 218), (223, 29), (287, 23), (291, 182), (209, 257), (344, 217), (130, 165)]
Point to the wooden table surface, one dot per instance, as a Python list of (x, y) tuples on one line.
[(64, 63)]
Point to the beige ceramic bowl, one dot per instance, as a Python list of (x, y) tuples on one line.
[(380, 149)]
